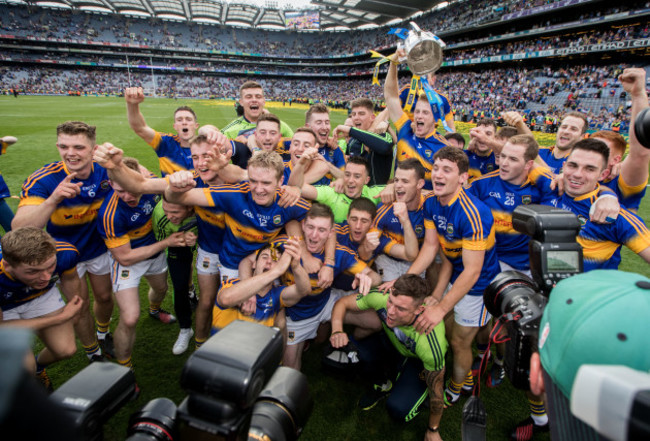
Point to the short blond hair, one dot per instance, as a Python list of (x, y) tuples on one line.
[(268, 160), (28, 245)]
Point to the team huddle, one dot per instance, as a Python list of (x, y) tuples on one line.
[(389, 235)]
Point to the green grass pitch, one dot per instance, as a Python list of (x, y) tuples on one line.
[(335, 417)]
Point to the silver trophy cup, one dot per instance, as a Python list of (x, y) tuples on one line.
[(423, 50)]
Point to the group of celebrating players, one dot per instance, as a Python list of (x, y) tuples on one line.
[(395, 234)]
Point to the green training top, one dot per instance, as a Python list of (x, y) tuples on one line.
[(430, 348), (162, 227), (242, 126), (340, 203)]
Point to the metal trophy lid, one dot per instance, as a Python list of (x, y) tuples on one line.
[(424, 51)]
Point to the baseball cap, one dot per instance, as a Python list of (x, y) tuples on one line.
[(598, 318)]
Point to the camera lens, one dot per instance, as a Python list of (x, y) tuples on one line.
[(508, 290), (156, 421), (642, 127), (283, 407)]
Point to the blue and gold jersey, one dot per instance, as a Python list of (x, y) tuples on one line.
[(502, 198), (171, 156), (120, 224), (268, 307), (344, 280), (74, 219), (629, 197), (14, 293), (464, 224), (311, 305), (288, 168), (211, 223), (390, 226), (554, 164), (423, 149), (481, 165), (249, 226), (4, 190), (601, 243), (430, 348)]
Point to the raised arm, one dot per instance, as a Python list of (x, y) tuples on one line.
[(133, 97), (391, 90), (110, 157), (634, 170)]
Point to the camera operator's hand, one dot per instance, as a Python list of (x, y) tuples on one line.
[(339, 339), (429, 319)]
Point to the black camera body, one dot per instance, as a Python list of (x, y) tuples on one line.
[(519, 301), (236, 391)]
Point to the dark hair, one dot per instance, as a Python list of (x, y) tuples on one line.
[(316, 108), (269, 117), (77, 128), (363, 102), (454, 155), (320, 210), (593, 145), (411, 285), (363, 204), (360, 161), (412, 164), (186, 109), (457, 136), (529, 142), (487, 122), (506, 132)]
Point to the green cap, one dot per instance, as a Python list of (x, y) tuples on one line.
[(600, 317)]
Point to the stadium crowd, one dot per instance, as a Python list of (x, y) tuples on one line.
[(292, 223)]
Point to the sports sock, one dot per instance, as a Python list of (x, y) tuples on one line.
[(198, 342), (102, 329), (126, 363), (154, 308), (468, 383), (482, 349), (93, 349), (538, 412), (453, 389)]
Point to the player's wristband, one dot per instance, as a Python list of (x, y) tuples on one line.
[(432, 429), (329, 265), (337, 332)]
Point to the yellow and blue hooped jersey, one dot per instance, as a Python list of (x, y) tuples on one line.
[(389, 224), (120, 224), (211, 223), (249, 226), (171, 156), (502, 198), (481, 165), (629, 197), (14, 293), (465, 223), (267, 309), (74, 219), (554, 164)]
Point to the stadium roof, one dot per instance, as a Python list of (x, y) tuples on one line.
[(270, 14)]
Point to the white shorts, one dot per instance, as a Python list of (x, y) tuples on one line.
[(471, 312), (98, 266), (124, 277), (207, 263), (44, 304), (506, 267), (301, 330), (228, 273)]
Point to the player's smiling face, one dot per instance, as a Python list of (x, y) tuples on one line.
[(320, 123), (407, 185), (423, 118), (77, 153), (267, 135), (316, 231), (300, 142), (200, 161), (185, 125), (446, 179), (36, 276), (355, 177), (582, 171), (252, 100), (362, 117), (569, 132), (264, 185), (176, 213)]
